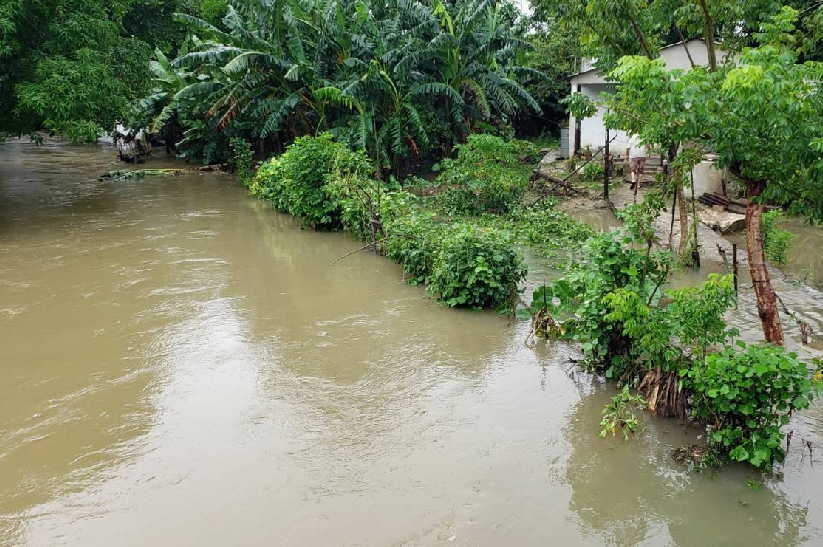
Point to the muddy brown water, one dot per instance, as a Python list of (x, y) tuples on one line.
[(183, 366)]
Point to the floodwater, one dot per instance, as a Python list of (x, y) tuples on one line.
[(183, 366)]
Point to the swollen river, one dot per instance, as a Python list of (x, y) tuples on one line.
[(181, 365)]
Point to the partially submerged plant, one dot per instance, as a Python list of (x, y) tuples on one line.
[(620, 414), (746, 395)]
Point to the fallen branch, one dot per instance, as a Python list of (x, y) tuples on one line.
[(125, 174), (564, 182), (363, 248)]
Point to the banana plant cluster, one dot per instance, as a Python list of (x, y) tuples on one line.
[(395, 78)]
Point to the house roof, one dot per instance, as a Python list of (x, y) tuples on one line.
[(676, 44)]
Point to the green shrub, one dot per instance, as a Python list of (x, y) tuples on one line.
[(746, 396), (413, 241), (593, 171), (482, 191), (359, 198), (488, 175), (296, 181), (482, 148), (396, 204), (476, 268), (775, 241), (546, 228), (616, 276)]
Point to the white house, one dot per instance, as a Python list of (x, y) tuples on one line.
[(591, 132)]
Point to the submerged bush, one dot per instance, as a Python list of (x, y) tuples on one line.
[(296, 181), (413, 241), (616, 276), (619, 414), (547, 228), (476, 268), (242, 160), (676, 351), (745, 396)]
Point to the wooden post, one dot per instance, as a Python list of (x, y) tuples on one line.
[(734, 269), (577, 132), (696, 250), (606, 167)]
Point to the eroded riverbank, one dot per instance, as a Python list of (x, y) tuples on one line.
[(183, 365)]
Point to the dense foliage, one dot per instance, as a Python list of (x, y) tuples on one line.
[(398, 80), (674, 345), (476, 267), (296, 181), (75, 67), (489, 175)]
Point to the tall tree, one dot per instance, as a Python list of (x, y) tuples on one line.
[(74, 66), (764, 119)]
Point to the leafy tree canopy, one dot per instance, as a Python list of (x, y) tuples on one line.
[(73, 66)]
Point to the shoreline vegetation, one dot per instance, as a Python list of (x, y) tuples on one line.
[(459, 233)]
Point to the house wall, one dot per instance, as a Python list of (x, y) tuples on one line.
[(592, 84), (593, 130), (676, 56), (707, 178)]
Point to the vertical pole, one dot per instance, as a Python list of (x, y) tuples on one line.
[(696, 250), (577, 131), (671, 226), (606, 168), (734, 268)]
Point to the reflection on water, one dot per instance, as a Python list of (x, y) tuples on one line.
[(184, 366)]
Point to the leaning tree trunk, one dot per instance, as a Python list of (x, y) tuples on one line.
[(763, 290)]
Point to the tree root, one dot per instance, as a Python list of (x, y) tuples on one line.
[(664, 394)]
